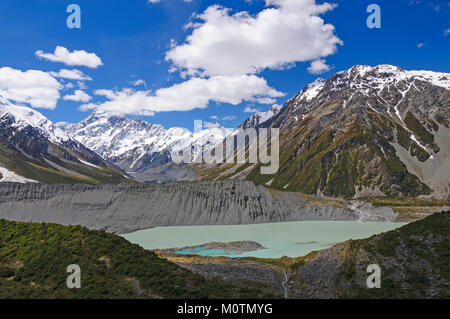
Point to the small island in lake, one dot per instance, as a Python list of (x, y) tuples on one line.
[(230, 248)]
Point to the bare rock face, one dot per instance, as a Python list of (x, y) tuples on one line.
[(128, 207)]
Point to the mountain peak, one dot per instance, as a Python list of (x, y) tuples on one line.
[(139, 147), (102, 114), (22, 116), (259, 118), (384, 74), (381, 68)]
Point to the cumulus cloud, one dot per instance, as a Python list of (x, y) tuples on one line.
[(139, 82), (210, 125), (77, 57), (185, 96), (81, 85), (225, 51), (265, 100), (318, 67), (248, 109), (36, 88), (226, 43), (68, 86), (229, 118), (71, 75), (78, 96)]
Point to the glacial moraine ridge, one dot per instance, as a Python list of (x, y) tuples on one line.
[(125, 208)]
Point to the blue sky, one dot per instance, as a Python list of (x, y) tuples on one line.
[(133, 38)]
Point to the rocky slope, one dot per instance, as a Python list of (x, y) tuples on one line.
[(33, 149), (413, 261), (129, 207), (367, 131), (142, 149)]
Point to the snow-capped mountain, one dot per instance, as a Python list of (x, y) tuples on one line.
[(366, 80), (33, 149), (142, 149), (20, 117), (366, 131)]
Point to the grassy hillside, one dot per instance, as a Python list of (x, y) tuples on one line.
[(340, 164), (34, 258)]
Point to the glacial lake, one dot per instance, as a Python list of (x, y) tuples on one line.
[(292, 239)]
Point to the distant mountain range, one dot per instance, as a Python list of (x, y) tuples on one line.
[(366, 131), (140, 148), (33, 149)]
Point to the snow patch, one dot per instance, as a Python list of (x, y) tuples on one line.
[(9, 176), (313, 89), (87, 163), (418, 143)]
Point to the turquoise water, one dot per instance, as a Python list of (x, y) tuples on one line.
[(292, 239)]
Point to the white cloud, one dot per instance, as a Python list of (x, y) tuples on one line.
[(210, 125), (225, 51), (71, 75), (228, 118), (420, 45), (266, 100), (68, 85), (191, 94), (139, 82), (214, 117), (248, 109), (447, 31), (285, 32), (77, 57), (36, 88), (82, 85), (78, 96), (318, 67)]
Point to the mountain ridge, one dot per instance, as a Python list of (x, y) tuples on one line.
[(33, 149), (142, 149), (366, 131)]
